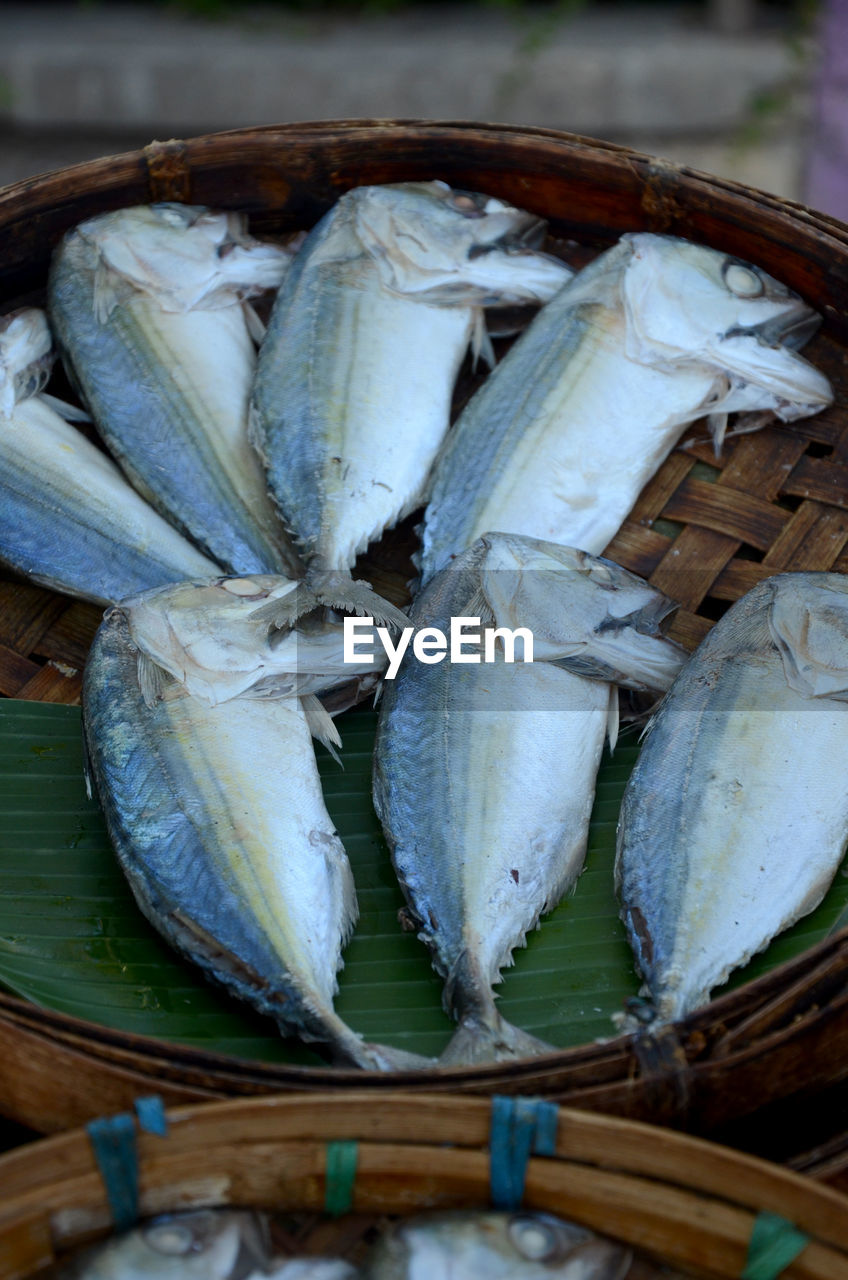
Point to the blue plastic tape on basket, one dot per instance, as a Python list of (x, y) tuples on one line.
[(114, 1144), (151, 1115), (519, 1126), (774, 1243), (340, 1176)]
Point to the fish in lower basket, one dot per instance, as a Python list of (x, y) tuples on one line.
[(653, 334), (148, 305), (355, 376), (68, 518), (494, 1246), (735, 818), (208, 1244), (199, 707), (484, 774)]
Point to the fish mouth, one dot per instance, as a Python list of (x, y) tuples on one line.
[(793, 328), (528, 236)]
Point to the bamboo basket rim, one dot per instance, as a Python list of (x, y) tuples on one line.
[(744, 1025), (624, 1178)]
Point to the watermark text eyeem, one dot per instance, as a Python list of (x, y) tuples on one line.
[(430, 644)]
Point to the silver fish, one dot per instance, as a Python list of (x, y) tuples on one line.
[(356, 372), (148, 307), (202, 756), (209, 1244), (309, 1269), (484, 775), (497, 1246), (68, 518), (732, 825), (656, 332)]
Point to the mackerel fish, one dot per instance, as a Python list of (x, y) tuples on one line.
[(497, 1246), (355, 376), (68, 518), (484, 773), (207, 1244), (199, 705), (734, 821), (149, 309), (656, 332)]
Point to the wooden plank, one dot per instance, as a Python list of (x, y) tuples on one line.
[(691, 565), (739, 577), (15, 671), (821, 479), (50, 684), (26, 612), (813, 539), (761, 462), (638, 548), (727, 511), (661, 488)]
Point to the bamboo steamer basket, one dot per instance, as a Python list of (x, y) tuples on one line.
[(780, 502), (683, 1201)]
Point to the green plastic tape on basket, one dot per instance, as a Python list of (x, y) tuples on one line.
[(340, 1177), (774, 1243)]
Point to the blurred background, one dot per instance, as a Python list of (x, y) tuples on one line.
[(754, 90)]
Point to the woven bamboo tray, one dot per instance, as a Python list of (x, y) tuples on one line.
[(683, 1201), (779, 501)]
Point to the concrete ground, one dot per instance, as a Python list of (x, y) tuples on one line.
[(80, 81)]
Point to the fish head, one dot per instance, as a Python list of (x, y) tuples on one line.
[(454, 248), (210, 1244), (26, 356), (259, 636), (808, 623), (585, 612), (183, 256), (687, 303), (499, 1246), (206, 634)]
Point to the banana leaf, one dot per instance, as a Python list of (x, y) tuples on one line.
[(73, 940)]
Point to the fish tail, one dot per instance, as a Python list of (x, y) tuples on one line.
[(490, 1040), (482, 1034), (346, 1048)]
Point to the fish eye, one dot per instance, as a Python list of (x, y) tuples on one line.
[(742, 281), (171, 1239), (467, 204), (535, 1240), (173, 217), (243, 587)]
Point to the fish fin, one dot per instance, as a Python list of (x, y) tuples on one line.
[(490, 1039), (478, 607), (151, 680), (70, 412), (810, 630), (338, 590), (384, 1057), (282, 612), (481, 342), (256, 434), (717, 423), (612, 718), (320, 724), (256, 327)]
